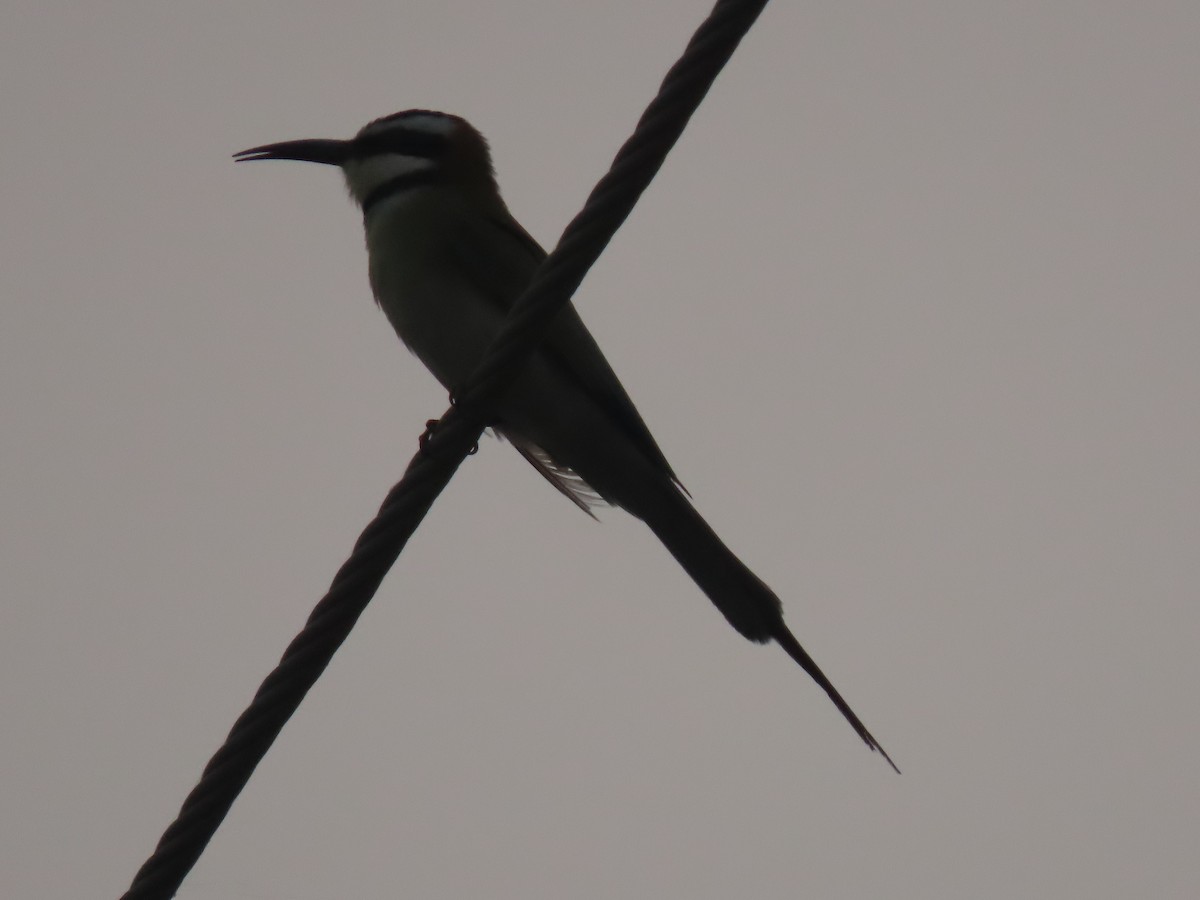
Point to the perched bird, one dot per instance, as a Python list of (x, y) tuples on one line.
[(447, 261)]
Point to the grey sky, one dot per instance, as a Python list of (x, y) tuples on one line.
[(912, 310)]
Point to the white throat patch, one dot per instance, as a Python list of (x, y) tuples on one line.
[(365, 175)]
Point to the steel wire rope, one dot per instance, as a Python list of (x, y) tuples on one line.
[(450, 441)]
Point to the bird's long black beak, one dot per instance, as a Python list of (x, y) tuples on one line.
[(317, 150)]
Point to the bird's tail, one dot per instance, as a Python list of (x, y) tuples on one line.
[(750, 606)]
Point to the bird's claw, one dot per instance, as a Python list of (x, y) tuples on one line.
[(431, 427)]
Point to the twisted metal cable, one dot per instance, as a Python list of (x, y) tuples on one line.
[(456, 434)]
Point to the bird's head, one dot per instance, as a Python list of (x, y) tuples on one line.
[(405, 149)]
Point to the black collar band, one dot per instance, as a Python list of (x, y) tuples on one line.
[(400, 184)]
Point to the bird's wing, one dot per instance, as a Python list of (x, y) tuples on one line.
[(566, 481), (502, 275)]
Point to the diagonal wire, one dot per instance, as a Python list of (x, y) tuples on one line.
[(457, 432)]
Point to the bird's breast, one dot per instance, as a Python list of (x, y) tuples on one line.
[(436, 311)]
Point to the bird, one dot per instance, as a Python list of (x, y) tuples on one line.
[(447, 260)]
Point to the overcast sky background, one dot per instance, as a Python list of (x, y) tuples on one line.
[(912, 309)]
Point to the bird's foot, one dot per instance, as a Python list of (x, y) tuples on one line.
[(431, 427)]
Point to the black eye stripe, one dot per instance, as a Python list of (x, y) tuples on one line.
[(407, 143)]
